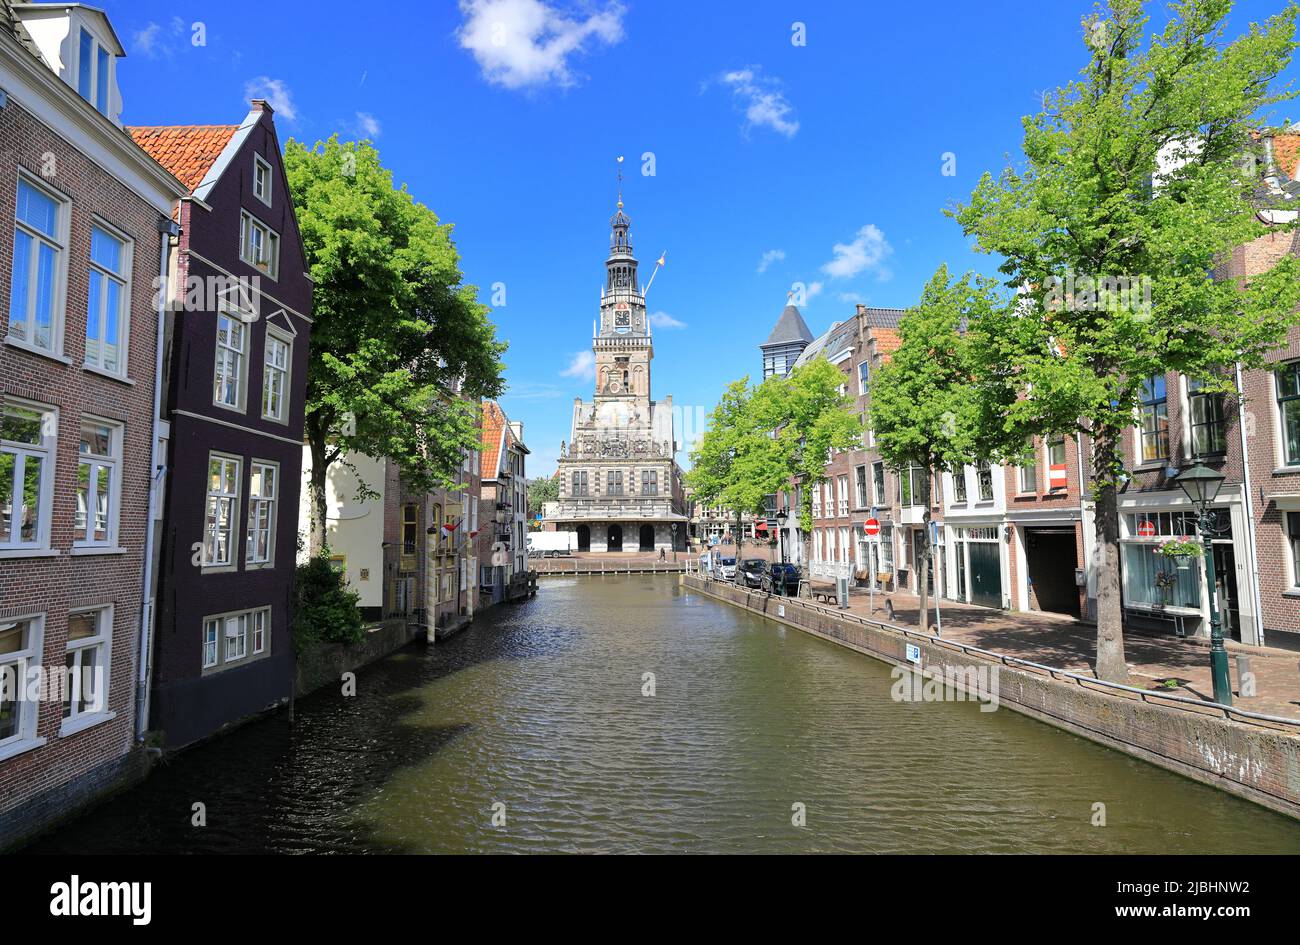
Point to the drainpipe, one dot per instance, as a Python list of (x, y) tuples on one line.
[(167, 230), (1252, 552)]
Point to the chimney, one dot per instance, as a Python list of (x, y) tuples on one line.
[(262, 105)]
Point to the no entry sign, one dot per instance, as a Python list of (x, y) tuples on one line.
[(1147, 529), (871, 526)]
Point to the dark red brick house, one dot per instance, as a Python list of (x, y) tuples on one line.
[(80, 261), (235, 368)]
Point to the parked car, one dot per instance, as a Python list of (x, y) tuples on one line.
[(752, 572), (727, 570), (782, 579)]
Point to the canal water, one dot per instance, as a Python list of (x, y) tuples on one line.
[(536, 715)]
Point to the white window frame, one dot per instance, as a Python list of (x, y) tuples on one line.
[(864, 379), (1031, 487), (123, 280), (275, 335), (211, 642), (209, 562), (58, 295), (102, 640), (26, 659), (257, 505), (84, 533), (229, 359), (270, 242), (47, 452), (842, 493), (262, 164), (261, 635), (92, 94)]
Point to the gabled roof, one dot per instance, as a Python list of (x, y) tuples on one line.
[(888, 340), (790, 328), (187, 151), (9, 23), (494, 432), (881, 317)]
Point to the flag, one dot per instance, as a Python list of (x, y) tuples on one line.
[(451, 526), (660, 260)]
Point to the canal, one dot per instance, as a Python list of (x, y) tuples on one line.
[(539, 707)]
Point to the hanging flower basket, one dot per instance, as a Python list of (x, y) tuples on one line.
[(1182, 548)]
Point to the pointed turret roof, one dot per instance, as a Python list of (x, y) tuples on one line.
[(790, 327)]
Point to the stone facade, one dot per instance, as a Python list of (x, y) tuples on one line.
[(620, 485)]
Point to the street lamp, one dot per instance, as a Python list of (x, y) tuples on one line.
[(781, 517), (1201, 484), (674, 542)]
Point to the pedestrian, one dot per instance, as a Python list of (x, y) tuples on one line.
[(663, 555)]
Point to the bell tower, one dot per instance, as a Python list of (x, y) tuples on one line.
[(622, 344)]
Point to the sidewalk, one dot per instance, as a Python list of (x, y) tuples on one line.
[(1065, 643)]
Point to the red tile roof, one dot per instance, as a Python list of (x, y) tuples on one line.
[(888, 340), (188, 151), (494, 423), (1286, 152)]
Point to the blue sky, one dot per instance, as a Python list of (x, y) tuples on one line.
[(505, 117)]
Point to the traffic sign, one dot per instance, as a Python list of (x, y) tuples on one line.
[(871, 526), (1147, 529)]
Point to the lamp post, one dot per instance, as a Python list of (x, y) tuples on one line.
[(1202, 485), (781, 517), (674, 542)]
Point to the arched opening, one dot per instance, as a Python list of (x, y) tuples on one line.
[(647, 538), (584, 537), (614, 541)]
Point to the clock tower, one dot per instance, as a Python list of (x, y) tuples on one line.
[(622, 342)]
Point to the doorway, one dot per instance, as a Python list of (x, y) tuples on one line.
[(647, 538), (584, 537), (614, 541), (921, 560), (985, 573), (1225, 583), (1052, 557)]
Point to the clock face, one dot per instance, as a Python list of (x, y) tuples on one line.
[(622, 319)]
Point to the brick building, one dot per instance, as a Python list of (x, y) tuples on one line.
[(78, 351), (502, 542), (235, 363)]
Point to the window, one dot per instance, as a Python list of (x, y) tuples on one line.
[(649, 482), (92, 71), (1056, 451), (259, 547), (410, 528), (843, 492), (860, 487), (1288, 404), (261, 179), (222, 511), (211, 629), (984, 479), (614, 482), (1153, 578), (878, 482), (226, 637), (35, 296), (1209, 426), (864, 375), (580, 482), (99, 456), (26, 471), (817, 497), (275, 378), (85, 688), (1293, 536), (20, 653), (236, 637), (887, 547), (228, 376), (1029, 472), (259, 246), (106, 302), (261, 623), (1154, 427), (912, 485), (959, 485)]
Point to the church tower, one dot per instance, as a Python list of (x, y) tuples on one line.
[(622, 344)]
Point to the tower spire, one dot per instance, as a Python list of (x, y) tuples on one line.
[(620, 182)]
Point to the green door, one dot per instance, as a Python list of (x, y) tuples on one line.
[(985, 574)]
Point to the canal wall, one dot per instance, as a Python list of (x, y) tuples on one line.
[(324, 664), (1253, 759)]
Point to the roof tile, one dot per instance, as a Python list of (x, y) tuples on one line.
[(188, 151)]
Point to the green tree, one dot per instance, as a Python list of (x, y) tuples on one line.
[(733, 458), (1132, 172), (810, 415), (925, 410), (402, 353), (541, 491)]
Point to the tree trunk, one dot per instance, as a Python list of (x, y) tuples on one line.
[(319, 504), (1111, 665), (922, 556)]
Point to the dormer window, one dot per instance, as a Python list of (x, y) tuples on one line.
[(93, 71), (261, 179)]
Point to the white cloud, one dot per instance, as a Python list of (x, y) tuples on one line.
[(867, 252), (769, 257), (522, 43), (145, 41), (155, 40), (275, 92), (368, 124), (664, 320), (582, 366), (852, 297), (814, 289), (764, 103)]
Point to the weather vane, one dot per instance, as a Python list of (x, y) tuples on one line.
[(620, 182)]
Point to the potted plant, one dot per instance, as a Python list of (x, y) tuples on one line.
[(1182, 549)]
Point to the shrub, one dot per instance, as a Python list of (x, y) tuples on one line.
[(325, 611)]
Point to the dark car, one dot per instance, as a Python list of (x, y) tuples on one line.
[(782, 579), (751, 572)]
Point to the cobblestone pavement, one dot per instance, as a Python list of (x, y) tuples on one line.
[(1066, 643)]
